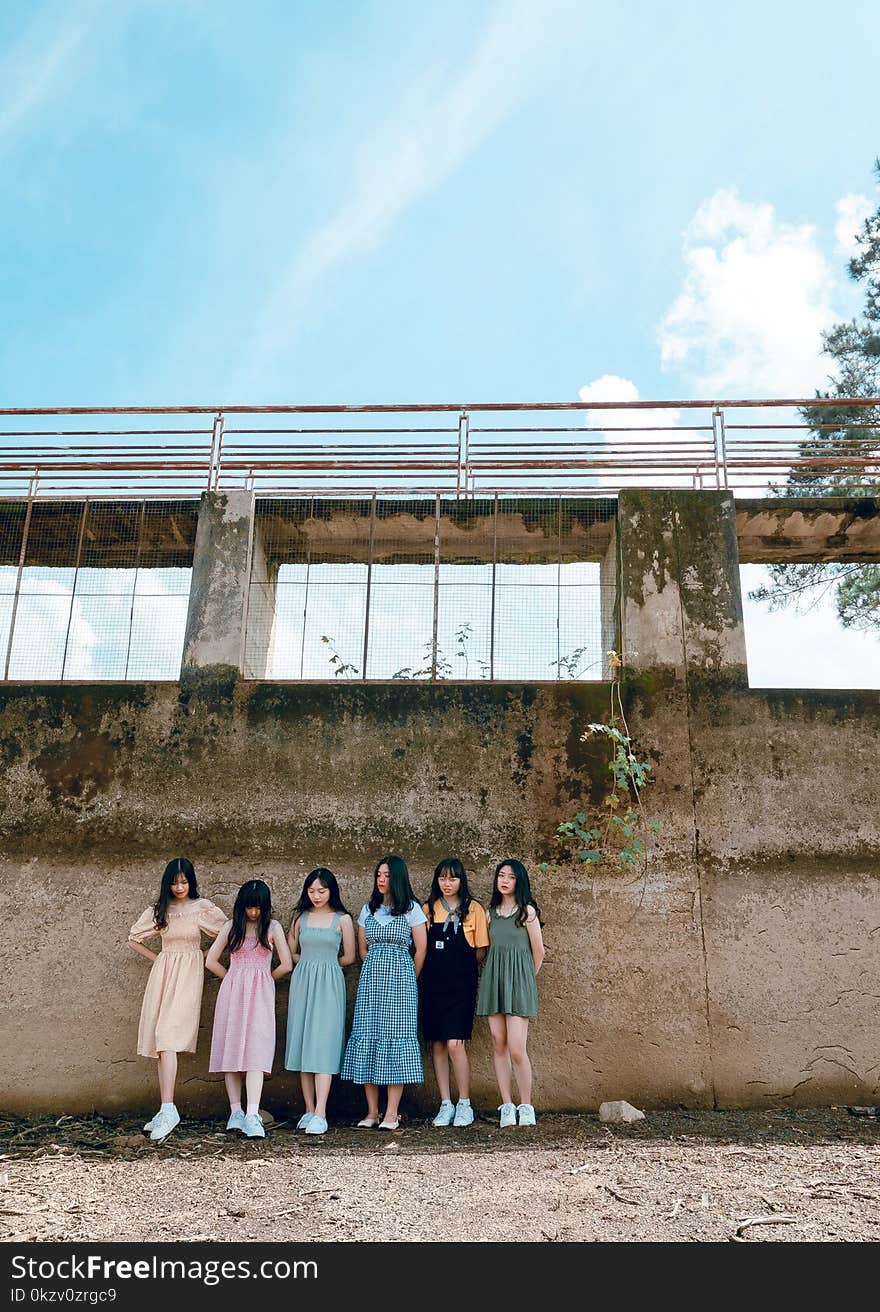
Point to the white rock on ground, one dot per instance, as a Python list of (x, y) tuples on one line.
[(619, 1113)]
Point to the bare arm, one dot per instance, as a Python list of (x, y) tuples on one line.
[(420, 943), (482, 953), (346, 928), (285, 960), (212, 960), (536, 938), (293, 939), (362, 943), (142, 950)]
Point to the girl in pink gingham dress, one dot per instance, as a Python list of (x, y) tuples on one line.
[(243, 1041)]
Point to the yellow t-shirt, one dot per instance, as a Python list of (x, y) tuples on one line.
[(475, 924)]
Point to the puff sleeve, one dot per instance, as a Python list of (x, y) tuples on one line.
[(144, 928), (211, 918)]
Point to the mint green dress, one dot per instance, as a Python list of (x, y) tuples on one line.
[(316, 1008), (507, 985)]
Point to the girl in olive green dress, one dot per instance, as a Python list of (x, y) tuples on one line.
[(508, 992)]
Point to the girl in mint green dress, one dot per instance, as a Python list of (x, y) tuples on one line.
[(322, 943)]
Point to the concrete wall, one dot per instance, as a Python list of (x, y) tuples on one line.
[(741, 968)]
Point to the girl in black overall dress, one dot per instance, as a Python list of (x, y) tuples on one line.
[(458, 939)]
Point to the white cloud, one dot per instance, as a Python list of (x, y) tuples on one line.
[(435, 125), (756, 296), (852, 210), (639, 456)]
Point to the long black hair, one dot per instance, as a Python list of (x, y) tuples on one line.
[(522, 893), (326, 877), (402, 896), (452, 866), (179, 866), (255, 893)]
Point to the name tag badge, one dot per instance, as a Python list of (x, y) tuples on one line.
[(439, 945)]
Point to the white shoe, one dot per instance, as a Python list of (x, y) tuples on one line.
[(236, 1120), (316, 1125), (464, 1113), (252, 1127), (526, 1113), (445, 1115), (164, 1123), (508, 1115), (150, 1123), (304, 1120)]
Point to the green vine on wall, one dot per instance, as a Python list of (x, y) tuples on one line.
[(617, 832)]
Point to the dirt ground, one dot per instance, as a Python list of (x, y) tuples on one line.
[(752, 1177)]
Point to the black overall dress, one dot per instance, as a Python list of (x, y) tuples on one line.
[(449, 983)]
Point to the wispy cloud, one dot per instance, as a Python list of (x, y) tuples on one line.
[(416, 150), (43, 64)]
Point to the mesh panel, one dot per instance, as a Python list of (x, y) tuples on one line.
[(434, 588), (101, 590)]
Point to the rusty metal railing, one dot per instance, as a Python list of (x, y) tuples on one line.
[(511, 448)]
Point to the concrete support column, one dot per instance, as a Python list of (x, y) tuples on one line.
[(215, 624), (260, 637), (680, 598)]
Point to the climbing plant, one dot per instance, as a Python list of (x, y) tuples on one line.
[(616, 832)]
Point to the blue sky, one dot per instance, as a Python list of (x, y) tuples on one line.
[(211, 202)]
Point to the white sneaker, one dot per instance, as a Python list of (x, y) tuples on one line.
[(236, 1120), (304, 1120), (252, 1127), (316, 1125), (164, 1123), (526, 1113), (445, 1114), (464, 1113), (508, 1115), (150, 1123)]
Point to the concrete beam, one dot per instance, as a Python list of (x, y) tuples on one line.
[(782, 530), (680, 598)]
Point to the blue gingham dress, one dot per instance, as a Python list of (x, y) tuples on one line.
[(383, 1047)]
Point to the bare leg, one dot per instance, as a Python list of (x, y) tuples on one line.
[(461, 1066), (501, 1056), (307, 1084), (322, 1093), (517, 1036), (232, 1080), (254, 1084), (392, 1107), (440, 1058), (371, 1093), (167, 1075)]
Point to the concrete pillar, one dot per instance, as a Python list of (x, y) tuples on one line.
[(680, 597), (214, 641), (260, 637)]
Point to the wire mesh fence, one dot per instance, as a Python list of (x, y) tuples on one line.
[(94, 590), (431, 588)]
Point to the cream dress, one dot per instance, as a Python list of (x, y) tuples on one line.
[(173, 996)]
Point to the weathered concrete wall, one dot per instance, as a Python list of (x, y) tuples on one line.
[(740, 969), (743, 968)]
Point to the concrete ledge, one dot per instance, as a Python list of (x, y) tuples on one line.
[(783, 530)]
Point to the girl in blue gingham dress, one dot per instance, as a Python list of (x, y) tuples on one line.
[(383, 1048)]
